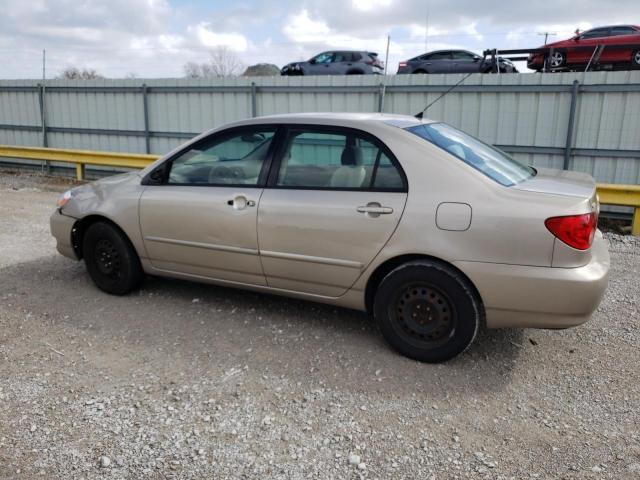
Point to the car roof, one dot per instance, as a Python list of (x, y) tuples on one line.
[(340, 119), (612, 26)]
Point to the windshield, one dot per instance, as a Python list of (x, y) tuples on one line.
[(494, 163)]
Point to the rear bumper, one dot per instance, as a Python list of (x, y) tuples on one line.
[(61, 228), (541, 297)]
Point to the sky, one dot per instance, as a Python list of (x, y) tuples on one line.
[(155, 38)]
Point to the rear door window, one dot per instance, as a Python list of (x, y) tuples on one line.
[(337, 160), (615, 31)]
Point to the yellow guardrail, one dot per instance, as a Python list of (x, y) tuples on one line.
[(79, 157), (610, 194), (624, 195)]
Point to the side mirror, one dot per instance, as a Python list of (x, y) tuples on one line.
[(156, 177), (576, 39)]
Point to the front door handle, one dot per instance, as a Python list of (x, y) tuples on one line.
[(374, 209), (240, 203)]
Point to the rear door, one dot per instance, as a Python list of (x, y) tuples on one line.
[(621, 36), (334, 198), (438, 62)]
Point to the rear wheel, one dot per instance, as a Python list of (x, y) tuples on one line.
[(420, 71), (635, 59), (111, 260), (427, 311)]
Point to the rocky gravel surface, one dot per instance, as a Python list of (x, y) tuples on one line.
[(182, 381)]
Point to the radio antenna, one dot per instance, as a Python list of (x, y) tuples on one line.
[(419, 115)]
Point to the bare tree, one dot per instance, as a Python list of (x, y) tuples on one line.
[(223, 63), (74, 73)]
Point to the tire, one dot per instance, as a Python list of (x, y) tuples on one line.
[(420, 71), (111, 260), (427, 311), (557, 59), (635, 59), (355, 72)]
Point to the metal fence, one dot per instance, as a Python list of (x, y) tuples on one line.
[(582, 121)]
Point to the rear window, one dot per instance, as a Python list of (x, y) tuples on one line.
[(494, 163)]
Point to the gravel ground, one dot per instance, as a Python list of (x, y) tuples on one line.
[(183, 380)]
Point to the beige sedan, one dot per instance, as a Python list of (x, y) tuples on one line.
[(430, 230)]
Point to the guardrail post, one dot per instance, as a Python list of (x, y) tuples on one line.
[(572, 116), (147, 136), (635, 222), (43, 122), (254, 99), (381, 94), (80, 171)]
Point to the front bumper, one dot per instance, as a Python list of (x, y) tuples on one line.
[(61, 228), (541, 297)]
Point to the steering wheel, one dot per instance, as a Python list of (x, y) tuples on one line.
[(224, 174)]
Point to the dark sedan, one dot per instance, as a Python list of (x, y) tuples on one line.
[(453, 61)]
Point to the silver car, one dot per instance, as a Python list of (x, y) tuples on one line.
[(425, 227)]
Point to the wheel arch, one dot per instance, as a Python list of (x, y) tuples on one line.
[(80, 227), (391, 264)]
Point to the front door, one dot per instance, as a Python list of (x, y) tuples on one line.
[(201, 218), (332, 202)]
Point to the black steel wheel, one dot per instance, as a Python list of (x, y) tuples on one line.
[(111, 260), (427, 311)]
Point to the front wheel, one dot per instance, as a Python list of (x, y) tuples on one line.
[(427, 311), (557, 59), (111, 260), (635, 59)]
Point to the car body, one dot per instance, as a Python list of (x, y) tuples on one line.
[(349, 209), (338, 62), (566, 56), (453, 61)]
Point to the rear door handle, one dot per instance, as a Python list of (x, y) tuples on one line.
[(374, 209)]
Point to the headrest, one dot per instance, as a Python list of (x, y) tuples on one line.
[(351, 156)]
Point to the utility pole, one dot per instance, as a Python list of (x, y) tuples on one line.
[(426, 29), (386, 57), (44, 63)]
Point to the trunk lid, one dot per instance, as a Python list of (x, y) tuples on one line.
[(560, 182)]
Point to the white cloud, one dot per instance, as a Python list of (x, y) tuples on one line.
[(301, 28), (207, 37), (369, 5)]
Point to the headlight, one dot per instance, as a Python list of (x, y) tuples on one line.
[(64, 199)]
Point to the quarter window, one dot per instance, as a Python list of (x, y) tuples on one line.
[(233, 159), (336, 161)]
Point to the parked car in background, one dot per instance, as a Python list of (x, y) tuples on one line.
[(566, 57), (343, 62), (428, 229), (453, 61)]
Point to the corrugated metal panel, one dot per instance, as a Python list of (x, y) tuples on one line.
[(604, 119)]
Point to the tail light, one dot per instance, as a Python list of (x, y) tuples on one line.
[(402, 64), (577, 231)]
